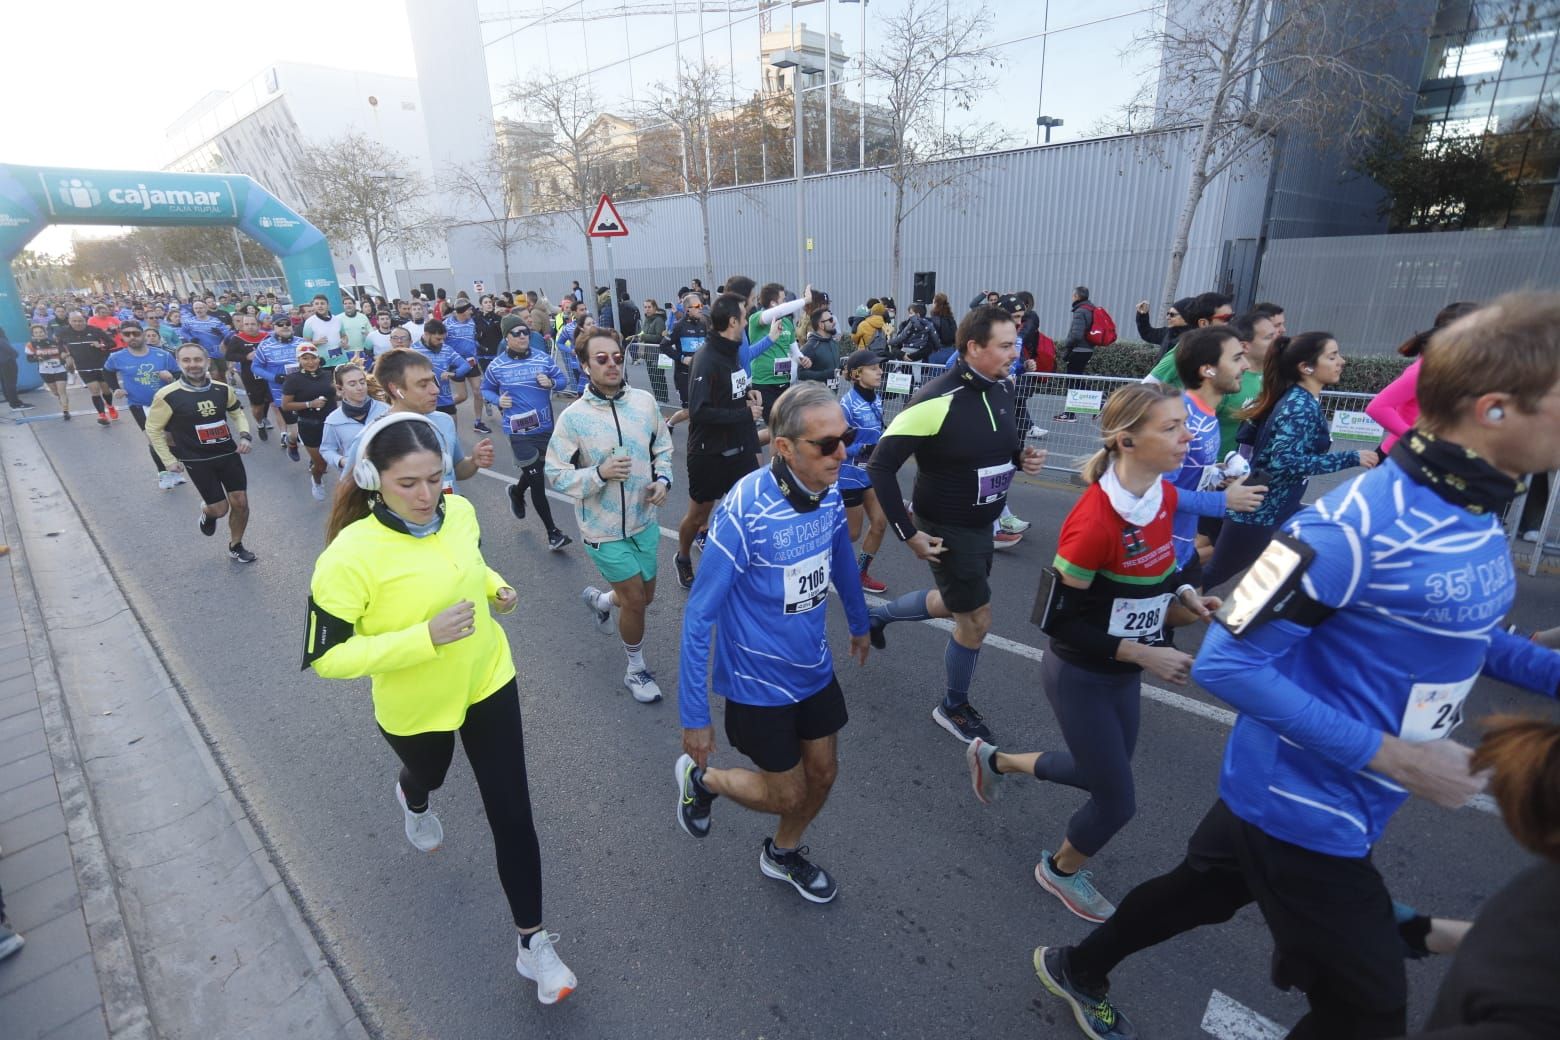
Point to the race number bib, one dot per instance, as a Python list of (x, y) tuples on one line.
[(289, 368), (213, 433), (832, 383), (739, 385), (1141, 619), (664, 361), (991, 483), (783, 368), (1433, 710), (524, 422), (806, 583)]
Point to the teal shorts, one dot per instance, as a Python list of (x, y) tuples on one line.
[(623, 558)]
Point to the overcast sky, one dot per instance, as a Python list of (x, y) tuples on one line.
[(108, 80)]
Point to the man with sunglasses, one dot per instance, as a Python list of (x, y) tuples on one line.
[(611, 455), (776, 543), (962, 429), (520, 382)]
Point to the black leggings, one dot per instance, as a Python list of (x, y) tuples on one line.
[(533, 479), (1236, 548), (139, 415), (1334, 936), (495, 745), (1098, 716)]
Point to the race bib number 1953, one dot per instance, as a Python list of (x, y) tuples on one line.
[(806, 583)]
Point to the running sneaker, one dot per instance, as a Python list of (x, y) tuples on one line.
[(516, 501), (603, 618), (1065, 417), (1530, 536), (963, 722), (241, 555), (1005, 539), (102, 419), (10, 941), (643, 686), (178, 478), (65, 416), (113, 413), (481, 427), (317, 489), (1077, 892), (877, 632), (540, 963), (700, 541), (556, 540), (684, 571), (1094, 1013), (693, 801), (981, 758), (165, 481), (264, 430), (208, 524), (871, 584), (811, 881), (1013, 525), (292, 447), (423, 829)]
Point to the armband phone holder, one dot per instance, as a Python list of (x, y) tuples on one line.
[(324, 631), (1271, 590), (1046, 599)]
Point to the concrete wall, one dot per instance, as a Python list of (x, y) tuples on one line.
[(1374, 291), (1099, 213)]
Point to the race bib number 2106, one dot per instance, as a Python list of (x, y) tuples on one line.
[(806, 583)]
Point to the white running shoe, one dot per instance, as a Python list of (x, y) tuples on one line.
[(1013, 525), (178, 478), (165, 481), (423, 829), (318, 490), (603, 618), (643, 686), (541, 965)]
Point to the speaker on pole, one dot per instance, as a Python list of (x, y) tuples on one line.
[(925, 287)]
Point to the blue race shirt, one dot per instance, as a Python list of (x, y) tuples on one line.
[(274, 360), (530, 407), (138, 375), (1198, 472), (1420, 587), (444, 361), (209, 332), (763, 586), (461, 336), (866, 418), (450, 437)]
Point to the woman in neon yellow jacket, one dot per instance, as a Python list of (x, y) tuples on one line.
[(402, 594)]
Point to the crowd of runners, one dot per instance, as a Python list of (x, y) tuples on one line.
[(1348, 643)]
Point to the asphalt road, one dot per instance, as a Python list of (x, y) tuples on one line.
[(937, 914)]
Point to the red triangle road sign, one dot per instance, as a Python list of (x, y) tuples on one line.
[(606, 223)]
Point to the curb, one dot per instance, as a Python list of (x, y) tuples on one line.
[(113, 958)]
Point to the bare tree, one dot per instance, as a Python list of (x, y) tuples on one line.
[(926, 62), (359, 193), (579, 170), (496, 190), (689, 106), (1245, 72)]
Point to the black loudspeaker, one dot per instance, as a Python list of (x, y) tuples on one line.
[(427, 289), (925, 287), (622, 288)]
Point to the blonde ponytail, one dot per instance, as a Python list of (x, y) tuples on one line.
[(1125, 412)]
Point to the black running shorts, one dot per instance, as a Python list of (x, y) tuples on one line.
[(772, 735), (963, 571), (216, 479), (711, 476)]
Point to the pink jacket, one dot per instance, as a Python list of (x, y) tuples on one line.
[(1397, 407)]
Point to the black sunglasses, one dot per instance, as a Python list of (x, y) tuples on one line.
[(829, 445), (519, 332)]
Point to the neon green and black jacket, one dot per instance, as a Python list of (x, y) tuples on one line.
[(962, 429), (375, 588)]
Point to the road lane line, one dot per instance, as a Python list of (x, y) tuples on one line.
[(1229, 1019), (1181, 702)]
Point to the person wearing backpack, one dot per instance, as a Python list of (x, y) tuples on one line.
[(917, 337), (1091, 327)]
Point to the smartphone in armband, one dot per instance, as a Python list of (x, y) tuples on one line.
[(1046, 599), (1271, 589)]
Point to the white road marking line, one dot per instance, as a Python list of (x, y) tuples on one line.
[(1229, 1019), (1181, 702)]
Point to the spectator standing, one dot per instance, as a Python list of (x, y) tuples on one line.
[(1077, 351)]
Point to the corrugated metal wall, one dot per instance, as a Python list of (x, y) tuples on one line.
[(1374, 291), (1099, 213)]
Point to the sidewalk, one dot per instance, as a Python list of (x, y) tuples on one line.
[(51, 988)]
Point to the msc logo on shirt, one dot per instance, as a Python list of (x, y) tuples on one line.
[(79, 193), (206, 409)]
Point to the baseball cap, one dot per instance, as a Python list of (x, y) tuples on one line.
[(309, 348), (463, 305), (281, 319), (862, 359)]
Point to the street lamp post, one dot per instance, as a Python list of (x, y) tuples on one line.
[(1048, 122), (793, 60)]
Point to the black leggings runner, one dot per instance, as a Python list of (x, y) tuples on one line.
[(139, 415), (495, 745), (1098, 714)]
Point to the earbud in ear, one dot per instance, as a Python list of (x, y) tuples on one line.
[(1126, 442), (1495, 414), (1309, 371)]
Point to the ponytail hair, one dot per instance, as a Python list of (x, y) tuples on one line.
[(1525, 757), (352, 503), (1126, 412), (1415, 345)]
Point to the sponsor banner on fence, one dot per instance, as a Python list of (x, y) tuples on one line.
[(897, 383), (1087, 401), (1356, 426)]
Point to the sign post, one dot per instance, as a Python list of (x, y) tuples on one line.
[(608, 225)]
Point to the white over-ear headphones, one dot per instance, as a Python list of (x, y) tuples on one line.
[(364, 475)]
